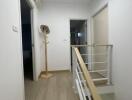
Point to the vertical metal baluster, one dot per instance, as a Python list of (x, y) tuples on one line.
[(108, 65), (74, 65)]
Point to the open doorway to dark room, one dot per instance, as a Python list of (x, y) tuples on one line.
[(78, 33), (26, 40)]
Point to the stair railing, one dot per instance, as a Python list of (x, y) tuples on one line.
[(98, 59), (83, 83)]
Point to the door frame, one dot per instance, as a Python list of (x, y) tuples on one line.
[(21, 49), (83, 19), (32, 13), (35, 77), (34, 66)]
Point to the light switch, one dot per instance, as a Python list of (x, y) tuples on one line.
[(14, 28)]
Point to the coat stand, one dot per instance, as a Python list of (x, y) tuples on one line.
[(45, 30)]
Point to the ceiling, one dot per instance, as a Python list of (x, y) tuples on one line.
[(68, 1)]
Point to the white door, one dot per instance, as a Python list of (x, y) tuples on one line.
[(100, 29), (100, 23)]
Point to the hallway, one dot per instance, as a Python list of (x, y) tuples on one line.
[(100, 71), (59, 87)]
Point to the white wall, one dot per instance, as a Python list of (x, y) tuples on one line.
[(57, 16), (96, 5), (36, 49), (11, 70), (120, 22)]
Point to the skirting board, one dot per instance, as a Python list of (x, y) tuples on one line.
[(58, 68)]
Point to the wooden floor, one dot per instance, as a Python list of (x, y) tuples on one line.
[(59, 87), (108, 96)]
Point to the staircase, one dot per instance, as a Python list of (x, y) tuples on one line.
[(91, 69)]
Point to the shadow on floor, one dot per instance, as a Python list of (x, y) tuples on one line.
[(28, 69)]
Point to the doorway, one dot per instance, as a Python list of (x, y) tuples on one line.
[(78, 35), (78, 32), (27, 40)]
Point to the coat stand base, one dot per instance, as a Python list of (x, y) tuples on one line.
[(46, 75)]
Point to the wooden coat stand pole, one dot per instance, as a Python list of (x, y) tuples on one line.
[(46, 57), (45, 74)]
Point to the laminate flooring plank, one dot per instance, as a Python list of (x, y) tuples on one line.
[(58, 87)]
